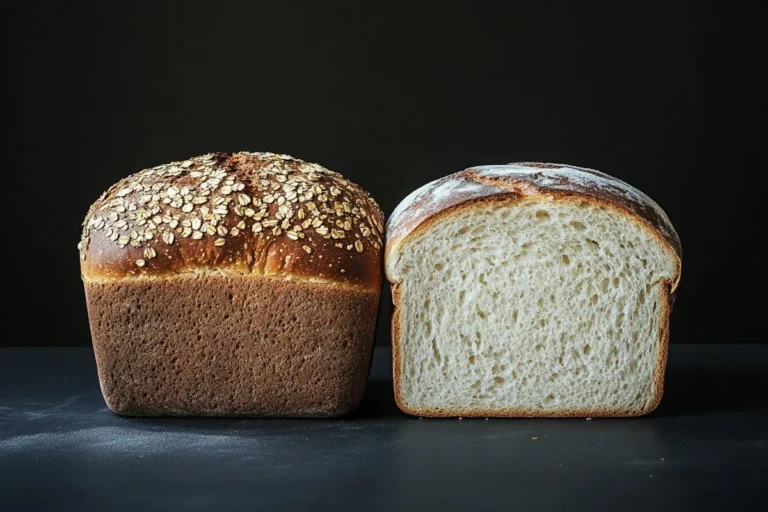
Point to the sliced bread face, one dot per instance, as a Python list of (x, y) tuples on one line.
[(524, 301)]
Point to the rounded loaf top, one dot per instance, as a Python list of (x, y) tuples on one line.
[(255, 213), (519, 181)]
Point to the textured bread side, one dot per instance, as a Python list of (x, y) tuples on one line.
[(501, 192), (228, 345), (256, 213)]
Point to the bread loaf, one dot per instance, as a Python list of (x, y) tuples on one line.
[(233, 284), (530, 290)]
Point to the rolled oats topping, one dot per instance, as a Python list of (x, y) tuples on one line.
[(220, 196)]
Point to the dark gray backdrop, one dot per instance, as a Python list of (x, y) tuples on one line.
[(668, 96)]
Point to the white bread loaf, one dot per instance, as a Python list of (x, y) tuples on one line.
[(530, 290)]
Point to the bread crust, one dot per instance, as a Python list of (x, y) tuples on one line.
[(472, 188), (255, 213), (517, 181)]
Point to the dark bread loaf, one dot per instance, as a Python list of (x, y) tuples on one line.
[(233, 284)]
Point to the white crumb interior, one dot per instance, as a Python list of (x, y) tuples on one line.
[(536, 306)]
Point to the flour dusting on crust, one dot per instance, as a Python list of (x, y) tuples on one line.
[(433, 197), (562, 176), (527, 179)]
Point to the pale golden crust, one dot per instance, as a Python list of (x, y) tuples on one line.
[(470, 189), (525, 181), (258, 213)]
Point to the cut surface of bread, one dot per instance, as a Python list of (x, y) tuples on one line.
[(531, 306)]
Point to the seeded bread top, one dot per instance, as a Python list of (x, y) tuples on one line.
[(245, 213)]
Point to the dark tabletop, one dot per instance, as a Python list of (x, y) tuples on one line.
[(705, 447)]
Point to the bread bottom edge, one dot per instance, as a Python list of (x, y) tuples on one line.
[(530, 413), (339, 412)]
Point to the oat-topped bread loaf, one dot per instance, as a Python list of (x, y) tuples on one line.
[(530, 290), (233, 284)]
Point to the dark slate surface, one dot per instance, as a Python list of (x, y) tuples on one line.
[(705, 448)]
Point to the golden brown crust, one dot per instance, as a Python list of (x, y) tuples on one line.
[(470, 188), (229, 345), (663, 356), (255, 213)]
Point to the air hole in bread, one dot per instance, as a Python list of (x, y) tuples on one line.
[(580, 226)]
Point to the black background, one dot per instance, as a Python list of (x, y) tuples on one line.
[(668, 96)]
